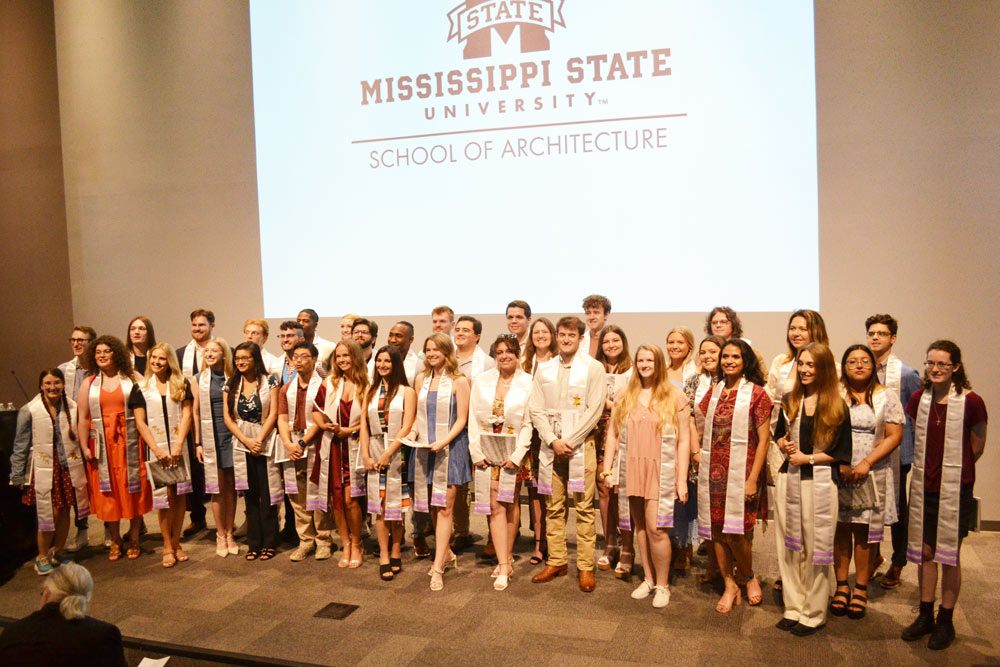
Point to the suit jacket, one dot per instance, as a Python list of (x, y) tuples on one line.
[(46, 638)]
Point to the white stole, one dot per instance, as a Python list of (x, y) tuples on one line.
[(668, 477), (44, 459), (188, 367), (946, 547), (210, 454), (893, 381), (165, 429), (442, 419), (739, 440), (100, 440), (824, 512), (378, 442), (69, 375), (291, 390), (503, 444), (478, 363), (563, 420)]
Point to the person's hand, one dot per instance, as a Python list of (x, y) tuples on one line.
[(384, 460), (798, 458), (295, 452), (370, 463), (328, 426), (562, 448), (786, 446), (845, 472), (177, 454), (681, 491), (255, 446), (199, 453), (509, 465), (162, 457), (862, 470), (606, 480), (438, 446), (482, 463), (750, 490), (696, 458)]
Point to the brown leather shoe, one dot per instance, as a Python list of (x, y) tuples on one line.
[(551, 572), (891, 578), (587, 581)]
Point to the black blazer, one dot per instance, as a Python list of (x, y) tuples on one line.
[(46, 638)]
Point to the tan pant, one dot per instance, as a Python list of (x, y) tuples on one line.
[(583, 503), (311, 525), (805, 587)]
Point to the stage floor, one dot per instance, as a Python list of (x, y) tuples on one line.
[(267, 609)]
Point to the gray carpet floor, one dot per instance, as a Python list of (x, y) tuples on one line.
[(267, 609)]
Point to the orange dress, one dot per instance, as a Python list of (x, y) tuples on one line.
[(119, 504)]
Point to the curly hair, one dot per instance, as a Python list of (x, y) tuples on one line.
[(119, 355), (731, 315)]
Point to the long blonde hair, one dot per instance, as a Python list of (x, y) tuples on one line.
[(227, 355), (444, 344), (359, 370), (663, 397), (829, 404), (688, 338), (175, 379)]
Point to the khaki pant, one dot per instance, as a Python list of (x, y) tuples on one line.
[(805, 586), (583, 503), (311, 525)]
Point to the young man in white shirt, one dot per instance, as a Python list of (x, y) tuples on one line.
[(401, 336), (309, 319), (596, 309), (257, 331), (191, 356), (567, 398), (518, 320), (74, 373)]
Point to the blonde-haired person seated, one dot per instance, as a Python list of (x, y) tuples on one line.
[(60, 632)]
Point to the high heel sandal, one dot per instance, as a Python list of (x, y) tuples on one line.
[(345, 559), (623, 570), (838, 603), (221, 546), (451, 562), (734, 602), (610, 554), (396, 564), (503, 580), (359, 551), (385, 572), (437, 579), (133, 551), (231, 546), (753, 601), (116, 552), (855, 610)]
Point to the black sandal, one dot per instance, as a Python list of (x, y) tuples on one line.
[(857, 611), (385, 572), (838, 604), (396, 564), (252, 555), (267, 554)]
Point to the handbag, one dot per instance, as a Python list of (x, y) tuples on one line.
[(166, 476), (857, 496)]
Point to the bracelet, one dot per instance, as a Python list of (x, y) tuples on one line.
[(606, 473)]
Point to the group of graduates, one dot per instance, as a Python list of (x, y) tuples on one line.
[(694, 444)]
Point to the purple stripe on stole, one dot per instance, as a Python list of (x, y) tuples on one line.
[(212, 488), (664, 520), (915, 556), (161, 503), (82, 513), (793, 544), (242, 484), (134, 487), (505, 496), (576, 486), (705, 532), (482, 508), (946, 552), (733, 527), (544, 489), (277, 497), (874, 535), (184, 487), (291, 489), (106, 486), (624, 523), (46, 525), (945, 560), (315, 505), (421, 506), (393, 515), (823, 558), (375, 508), (439, 499), (358, 491)]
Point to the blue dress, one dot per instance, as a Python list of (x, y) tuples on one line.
[(223, 437), (459, 460)]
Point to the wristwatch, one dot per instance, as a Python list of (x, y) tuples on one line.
[(812, 460)]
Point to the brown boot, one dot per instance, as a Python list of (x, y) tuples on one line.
[(587, 581), (891, 578), (551, 572)]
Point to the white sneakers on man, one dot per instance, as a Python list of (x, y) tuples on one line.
[(79, 542)]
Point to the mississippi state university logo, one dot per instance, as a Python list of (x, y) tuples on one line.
[(474, 21)]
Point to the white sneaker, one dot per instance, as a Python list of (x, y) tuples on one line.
[(643, 591), (662, 597), (79, 542), (301, 552)]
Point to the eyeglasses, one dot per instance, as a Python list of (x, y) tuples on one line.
[(246, 359), (79, 340), (941, 365), (879, 334), (301, 357), (859, 363), (720, 321)]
